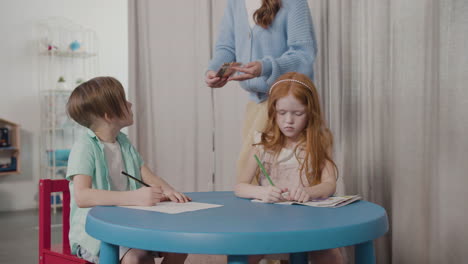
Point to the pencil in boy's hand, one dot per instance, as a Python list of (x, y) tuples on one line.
[(136, 179), (263, 170)]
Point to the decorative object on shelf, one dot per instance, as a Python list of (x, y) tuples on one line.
[(79, 81), (9, 148), (51, 47), (10, 166), (59, 157), (48, 45), (61, 83), (4, 137), (75, 45)]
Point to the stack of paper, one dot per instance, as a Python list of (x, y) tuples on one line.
[(333, 201)]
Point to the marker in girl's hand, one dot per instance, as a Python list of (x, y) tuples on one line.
[(284, 194), (263, 170)]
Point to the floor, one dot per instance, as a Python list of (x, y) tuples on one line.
[(19, 236), (19, 239)]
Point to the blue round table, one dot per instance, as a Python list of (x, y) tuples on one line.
[(239, 228)]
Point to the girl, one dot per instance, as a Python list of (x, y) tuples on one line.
[(295, 150), (96, 162), (270, 38)]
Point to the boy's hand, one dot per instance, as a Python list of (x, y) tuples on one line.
[(299, 194), (175, 196), (272, 194), (148, 196)]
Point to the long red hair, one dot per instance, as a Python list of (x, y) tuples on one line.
[(316, 140)]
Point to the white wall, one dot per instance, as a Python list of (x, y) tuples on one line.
[(19, 91)]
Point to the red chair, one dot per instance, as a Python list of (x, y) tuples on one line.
[(56, 254)]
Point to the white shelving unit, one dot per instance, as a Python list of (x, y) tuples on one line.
[(57, 133), (68, 55)]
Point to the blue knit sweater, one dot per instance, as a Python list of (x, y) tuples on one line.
[(287, 45)]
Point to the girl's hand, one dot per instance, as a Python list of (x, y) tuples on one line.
[(214, 82), (299, 194), (272, 194), (251, 70), (148, 196), (175, 196)]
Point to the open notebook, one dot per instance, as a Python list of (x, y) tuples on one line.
[(333, 201)]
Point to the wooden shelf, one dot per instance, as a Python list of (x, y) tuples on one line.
[(56, 167), (10, 147)]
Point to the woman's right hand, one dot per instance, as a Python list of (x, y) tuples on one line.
[(148, 196), (272, 194), (213, 81)]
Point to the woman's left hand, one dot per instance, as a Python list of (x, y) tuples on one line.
[(299, 194), (175, 196), (251, 70)]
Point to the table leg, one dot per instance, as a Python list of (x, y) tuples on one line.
[(298, 258), (109, 253), (237, 259), (364, 253)]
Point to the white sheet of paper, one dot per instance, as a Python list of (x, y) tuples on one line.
[(175, 208)]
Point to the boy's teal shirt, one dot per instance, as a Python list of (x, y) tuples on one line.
[(87, 158)]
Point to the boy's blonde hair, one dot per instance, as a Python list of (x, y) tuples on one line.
[(316, 139), (95, 98)]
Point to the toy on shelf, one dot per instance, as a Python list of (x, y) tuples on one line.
[(59, 157), (79, 81), (4, 137), (51, 47), (75, 45), (9, 165), (61, 84), (47, 44), (10, 162)]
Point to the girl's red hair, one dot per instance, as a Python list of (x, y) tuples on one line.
[(316, 139)]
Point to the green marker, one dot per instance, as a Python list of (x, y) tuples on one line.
[(263, 170)]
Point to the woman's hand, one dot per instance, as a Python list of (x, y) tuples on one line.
[(214, 82), (272, 194), (175, 196), (251, 70), (299, 194)]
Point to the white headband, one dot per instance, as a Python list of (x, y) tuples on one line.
[(288, 80)]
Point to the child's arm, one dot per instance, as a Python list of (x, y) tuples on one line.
[(245, 189), (326, 188), (154, 180), (86, 196)]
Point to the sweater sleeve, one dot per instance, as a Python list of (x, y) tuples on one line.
[(225, 45), (302, 46)]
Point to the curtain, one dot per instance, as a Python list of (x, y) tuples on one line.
[(352, 78), (392, 79), (169, 51), (391, 75)]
